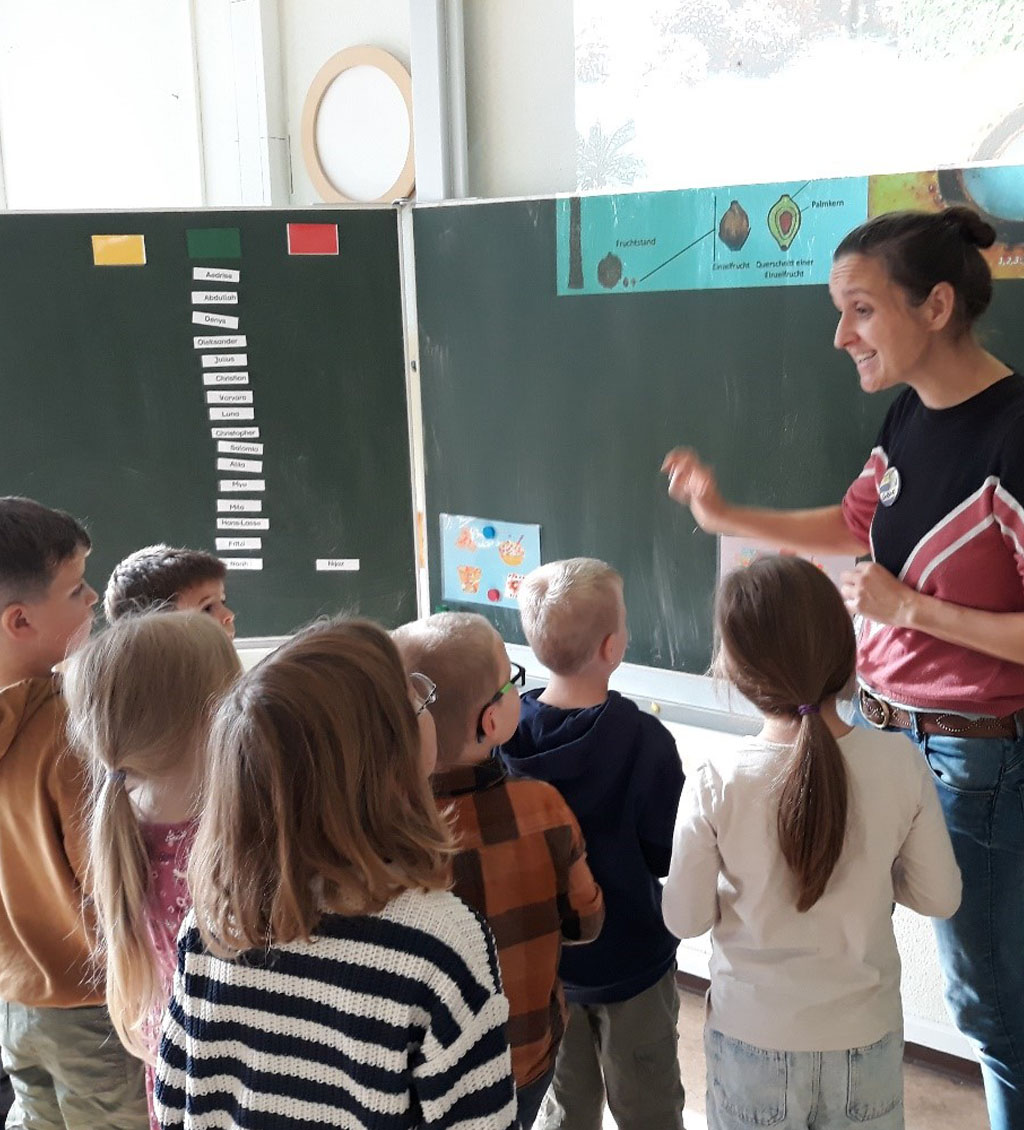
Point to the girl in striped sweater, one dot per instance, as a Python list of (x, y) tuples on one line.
[(326, 977)]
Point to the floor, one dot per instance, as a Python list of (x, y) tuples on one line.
[(932, 1101)]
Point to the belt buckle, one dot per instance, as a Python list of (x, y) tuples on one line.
[(882, 705)]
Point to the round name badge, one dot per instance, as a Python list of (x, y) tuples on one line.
[(889, 487)]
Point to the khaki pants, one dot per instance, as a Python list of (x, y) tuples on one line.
[(70, 1071), (625, 1051)]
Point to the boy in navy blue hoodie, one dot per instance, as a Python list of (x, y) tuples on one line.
[(619, 771)]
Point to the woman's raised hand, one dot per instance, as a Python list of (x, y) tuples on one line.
[(692, 483)]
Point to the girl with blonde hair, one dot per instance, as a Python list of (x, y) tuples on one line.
[(326, 976), (140, 697), (792, 851)]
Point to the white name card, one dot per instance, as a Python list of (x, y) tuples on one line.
[(232, 413), (229, 486), (239, 505)]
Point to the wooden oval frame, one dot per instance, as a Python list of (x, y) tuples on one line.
[(335, 65)]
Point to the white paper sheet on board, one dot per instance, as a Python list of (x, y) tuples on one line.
[(216, 274), (257, 486), (238, 522), (239, 505), (220, 341), (232, 413), (218, 378)]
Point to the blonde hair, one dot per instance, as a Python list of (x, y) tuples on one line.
[(315, 796), (457, 651), (567, 609), (140, 696)]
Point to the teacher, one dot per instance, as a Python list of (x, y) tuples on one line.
[(939, 507)]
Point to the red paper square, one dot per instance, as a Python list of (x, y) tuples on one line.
[(312, 239)]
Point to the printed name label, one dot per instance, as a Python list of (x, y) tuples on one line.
[(226, 447), (232, 413), (240, 564), (239, 543), (241, 466), (215, 298), (215, 274), (235, 433), (225, 360), (337, 564), (218, 378), (224, 321), (243, 523), (220, 341), (244, 397), (232, 486), (239, 505)]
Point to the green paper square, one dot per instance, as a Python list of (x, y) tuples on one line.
[(214, 243)]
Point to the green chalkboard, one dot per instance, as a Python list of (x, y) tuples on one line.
[(105, 411), (558, 410)]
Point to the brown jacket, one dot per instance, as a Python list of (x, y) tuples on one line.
[(44, 942)]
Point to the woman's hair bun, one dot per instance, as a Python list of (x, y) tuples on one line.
[(971, 226)]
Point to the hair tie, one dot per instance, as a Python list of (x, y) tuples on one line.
[(808, 708), (116, 776)]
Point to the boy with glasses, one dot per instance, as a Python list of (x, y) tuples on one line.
[(619, 771), (522, 863)]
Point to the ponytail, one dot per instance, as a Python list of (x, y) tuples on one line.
[(119, 881), (813, 799), (140, 696), (785, 637)]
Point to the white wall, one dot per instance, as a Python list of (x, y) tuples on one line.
[(520, 97), (98, 105)]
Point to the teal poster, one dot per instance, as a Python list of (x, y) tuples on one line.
[(706, 238)]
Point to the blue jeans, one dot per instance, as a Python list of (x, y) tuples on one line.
[(981, 948), (858, 1089)]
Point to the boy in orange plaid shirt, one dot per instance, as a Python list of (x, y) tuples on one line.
[(522, 862)]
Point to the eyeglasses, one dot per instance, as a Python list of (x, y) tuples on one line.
[(424, 689), (518, 679)]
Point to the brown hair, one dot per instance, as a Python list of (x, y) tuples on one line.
[(922, 249), (140, 697), (567, 609), (786, 640), (154, 576), (34, 542), (456, 651), (315, 797)]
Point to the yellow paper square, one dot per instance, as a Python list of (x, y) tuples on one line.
[(119, 250)]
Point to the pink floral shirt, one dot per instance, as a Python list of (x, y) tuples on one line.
[(168, 847)]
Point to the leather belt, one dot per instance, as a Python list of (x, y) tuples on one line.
[(883, 715)]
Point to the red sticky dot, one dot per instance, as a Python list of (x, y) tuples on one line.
[(493, 594)]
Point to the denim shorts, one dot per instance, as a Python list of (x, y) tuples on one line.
[(838, 1090)]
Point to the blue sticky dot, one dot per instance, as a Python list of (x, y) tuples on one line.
[(488, 531)]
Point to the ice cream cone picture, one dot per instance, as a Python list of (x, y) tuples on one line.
[(465, 539)]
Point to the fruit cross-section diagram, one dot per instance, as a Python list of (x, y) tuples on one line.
[(752, 235), (698, 239)]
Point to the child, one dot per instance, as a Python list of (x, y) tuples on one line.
[(326, 977), (792, 853), (140, 696), (66, 1066), (619, 771), (159, 576), (522, 861)]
